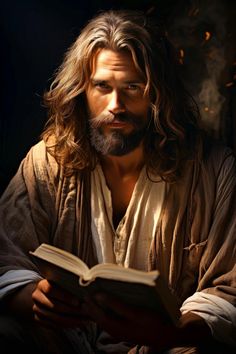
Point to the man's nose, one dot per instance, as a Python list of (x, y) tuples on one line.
[(116, 104)]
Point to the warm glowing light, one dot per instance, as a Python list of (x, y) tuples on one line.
[(207, 35), (208, 110), (181, 54), (229, 84)]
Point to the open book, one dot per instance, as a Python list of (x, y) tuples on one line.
[(139, 288)]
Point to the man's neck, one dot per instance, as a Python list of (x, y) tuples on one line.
[(121, 174), (128, 164)]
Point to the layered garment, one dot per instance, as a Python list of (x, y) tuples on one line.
[(194, 241)]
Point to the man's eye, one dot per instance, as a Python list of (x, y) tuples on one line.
[(133, 87), (102, 86)]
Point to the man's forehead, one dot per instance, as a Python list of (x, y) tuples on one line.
[(107, 61)]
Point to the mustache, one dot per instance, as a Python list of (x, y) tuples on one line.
[(106, 118)]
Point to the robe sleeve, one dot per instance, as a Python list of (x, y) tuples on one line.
[(217, 271), (215, 298)]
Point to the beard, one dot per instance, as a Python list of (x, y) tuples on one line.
[(115, 142)]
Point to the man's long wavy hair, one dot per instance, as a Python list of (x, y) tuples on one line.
[(173, 132)]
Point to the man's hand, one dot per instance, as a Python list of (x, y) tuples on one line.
[(55, 307), (128, 323)]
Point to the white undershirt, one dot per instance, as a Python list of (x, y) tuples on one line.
[(128, 244)]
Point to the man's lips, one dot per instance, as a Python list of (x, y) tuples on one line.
[(118, 124)]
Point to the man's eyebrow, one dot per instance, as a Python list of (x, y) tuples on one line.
[(95, 81), (133, 81), (137, 81)]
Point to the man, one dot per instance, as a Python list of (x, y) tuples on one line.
[(123, 174)]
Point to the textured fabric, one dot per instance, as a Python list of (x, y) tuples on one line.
[(128, 244), (42, 205), (219, 314), (12, 279), (194, 245)]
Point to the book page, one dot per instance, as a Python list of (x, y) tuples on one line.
[(114, 271), (61, 258)]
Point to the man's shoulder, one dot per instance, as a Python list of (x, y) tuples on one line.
[(39, 149), (40, 155), (41, 161)]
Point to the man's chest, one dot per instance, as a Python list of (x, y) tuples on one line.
[(121, 192)]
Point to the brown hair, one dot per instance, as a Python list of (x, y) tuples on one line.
[(173, 133)]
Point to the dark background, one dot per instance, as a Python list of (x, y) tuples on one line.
[(36, 33)]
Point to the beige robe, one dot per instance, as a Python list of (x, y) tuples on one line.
[(194, 247)]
